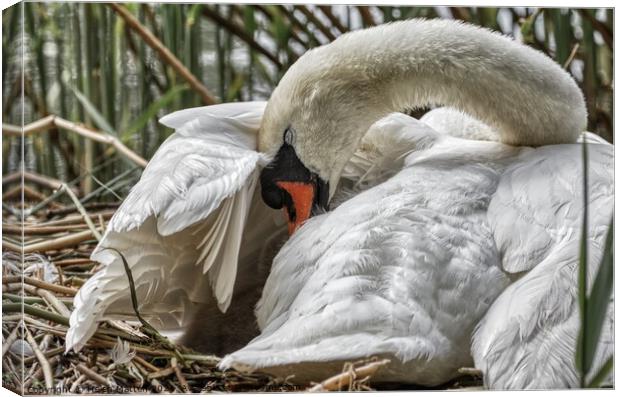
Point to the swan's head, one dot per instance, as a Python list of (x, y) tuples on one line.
[(312, 125)]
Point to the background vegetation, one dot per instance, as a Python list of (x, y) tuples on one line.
[(96, 77), (117, 68)]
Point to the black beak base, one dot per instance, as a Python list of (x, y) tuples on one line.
[(286, 167)]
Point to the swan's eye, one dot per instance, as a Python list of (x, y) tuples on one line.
[(289, 136)]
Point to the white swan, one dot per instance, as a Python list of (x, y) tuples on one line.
[(404, 269)]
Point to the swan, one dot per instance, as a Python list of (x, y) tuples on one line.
[(441, 251)]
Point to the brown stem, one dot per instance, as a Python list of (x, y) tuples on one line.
[(345, 378), (366, 16), (52, 121), (294, 35), (39, 284), (239, 32), (599, 26), (316, 22), (164, 52), (327, 11)]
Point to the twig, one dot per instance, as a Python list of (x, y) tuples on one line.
[(76, 219), (145, 363), (6, 344), (599, 26), (40, 284), (43, 230), (72, 262), (52, 121), (345, 378), (327, 11), (41, 180), (82, 211), (39, 372), (26, 299), (267, 13), (239, 32), (58, 243), (45, 365), (570, 58), (316, 22), (470, 371), (77, 383), (160, 373), (184, 385), (90, 374), (366, 15), (48, 354), (164, 52), (34, 311), (54, 302)]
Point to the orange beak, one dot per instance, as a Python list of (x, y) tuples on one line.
[(302, 195)]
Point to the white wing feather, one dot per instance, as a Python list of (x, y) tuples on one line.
[(528, 337), (186, 216), (392, 272)]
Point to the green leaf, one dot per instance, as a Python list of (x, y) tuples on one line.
[(235, 87), (193, 14), (602, 373), (599, 299), (139, 122), (527, 27), (249, 20), (580, 353), (92, 111)]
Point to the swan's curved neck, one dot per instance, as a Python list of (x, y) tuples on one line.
[(333, 94), (520, 92)]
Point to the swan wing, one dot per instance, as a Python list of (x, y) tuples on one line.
[(185, 217), (392, 272), (528, 337)]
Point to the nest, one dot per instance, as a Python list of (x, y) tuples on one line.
[(122, 357)]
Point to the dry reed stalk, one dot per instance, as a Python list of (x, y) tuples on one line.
[(327, 11), (45, 365), (164, 53), (316, 22), (177, 371), (6, 344), (54, 302), (58, 243), (39, 284), (161, 373), (92, 375), (570, 58), (8, 246), (29, 193), (43, 230), (72, 262), (77, 383), (145, 363), (41, 180), (345, 378), (367, 17), (72, 219), (470, 371), (239, 32), (48, 354), (52, 121), (267, 13), (38, 373), (82, 211)]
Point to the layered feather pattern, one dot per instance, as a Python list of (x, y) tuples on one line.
[(185, 217)]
